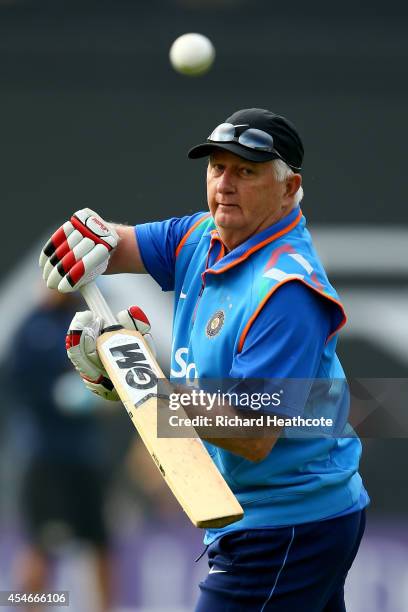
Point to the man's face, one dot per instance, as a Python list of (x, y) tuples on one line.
[(244, 197)]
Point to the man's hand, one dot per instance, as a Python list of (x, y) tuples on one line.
[(78, 251), (80, 343)]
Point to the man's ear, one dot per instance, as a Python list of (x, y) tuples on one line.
[(293, 182)]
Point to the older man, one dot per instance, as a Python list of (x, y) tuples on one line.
[(252, 300)]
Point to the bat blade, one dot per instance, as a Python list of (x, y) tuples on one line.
[(183, 462)]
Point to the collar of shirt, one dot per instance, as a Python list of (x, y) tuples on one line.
[(218, 261)]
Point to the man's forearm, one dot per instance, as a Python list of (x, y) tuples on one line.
[(251, 448), (126, 257)]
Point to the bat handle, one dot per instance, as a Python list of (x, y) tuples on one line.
[(97, 303)]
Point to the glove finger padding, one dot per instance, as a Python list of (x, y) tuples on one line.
[(102, 387), (135, 318), (81, 349), (83, 331), (78, 251)]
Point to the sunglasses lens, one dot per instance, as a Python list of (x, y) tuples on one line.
[(223, 133), (256, 139), (251, 138)]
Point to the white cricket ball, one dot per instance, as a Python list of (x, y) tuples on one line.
[(192, 54)]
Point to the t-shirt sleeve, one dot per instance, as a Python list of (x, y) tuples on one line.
[(286, 341), (158, 242)]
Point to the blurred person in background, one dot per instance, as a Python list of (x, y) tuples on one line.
[(64, 488)]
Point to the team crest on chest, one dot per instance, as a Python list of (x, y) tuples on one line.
[(215, 324)]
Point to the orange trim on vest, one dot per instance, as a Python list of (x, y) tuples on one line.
[(268, 295), (256, 247), (190, 231), (221, 253)]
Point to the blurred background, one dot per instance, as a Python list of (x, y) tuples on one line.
[(93, 115)]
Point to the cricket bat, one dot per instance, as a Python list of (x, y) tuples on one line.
[(184, 463)]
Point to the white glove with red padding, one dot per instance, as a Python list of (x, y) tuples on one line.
[(78, 251), (80, 343)]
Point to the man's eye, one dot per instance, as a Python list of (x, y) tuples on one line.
[(247, 171)]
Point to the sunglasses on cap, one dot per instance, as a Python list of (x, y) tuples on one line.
[(252, 138)]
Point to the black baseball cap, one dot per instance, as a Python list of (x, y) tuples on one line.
[(286, 142)]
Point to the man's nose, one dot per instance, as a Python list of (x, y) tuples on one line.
[(226, 183)]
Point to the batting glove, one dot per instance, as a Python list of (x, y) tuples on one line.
[(78, 251), (80, 343)]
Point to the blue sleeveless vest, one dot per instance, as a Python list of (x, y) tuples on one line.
[(301, 480)]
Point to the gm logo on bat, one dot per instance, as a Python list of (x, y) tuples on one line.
[(132, 359)]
